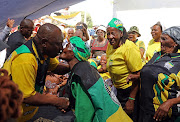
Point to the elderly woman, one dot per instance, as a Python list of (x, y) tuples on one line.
[(89, 96), (99, 45), (123, 63), (133, 35), (154, 44), (160, 81)]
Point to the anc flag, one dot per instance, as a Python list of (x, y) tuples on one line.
[(93, 100)]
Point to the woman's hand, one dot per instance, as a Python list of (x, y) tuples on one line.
[(162, 111), (129, 106), (133, 77)]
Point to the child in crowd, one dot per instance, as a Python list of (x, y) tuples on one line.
[(105, 74), (102, 67), (53, 82)]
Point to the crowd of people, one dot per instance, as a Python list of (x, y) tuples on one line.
[(108, 77)]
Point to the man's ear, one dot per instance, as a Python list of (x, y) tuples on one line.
[(121, 34), (44, 42)]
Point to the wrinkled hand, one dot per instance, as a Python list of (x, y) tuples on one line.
[(162, 111), (129, 107), (10, 23), (63, 103)]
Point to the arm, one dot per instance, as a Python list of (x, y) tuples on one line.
[(142, 52), (134, 63), (102, 69), (42, 99), (4, 34), (129, 107), (85, 35), (163, 109), (62, 68), (24, 71)]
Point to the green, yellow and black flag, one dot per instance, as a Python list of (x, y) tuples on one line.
[(94, 102)]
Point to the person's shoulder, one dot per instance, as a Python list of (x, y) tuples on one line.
[(129, 44), (25, 58), (15, 36), (151, 42), (140, 41)]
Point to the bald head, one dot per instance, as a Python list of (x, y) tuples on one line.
[(49, 37), (26, 27), (70, 33), (49, 31), (26, 22)]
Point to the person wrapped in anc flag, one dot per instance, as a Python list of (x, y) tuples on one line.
[(90, 97)]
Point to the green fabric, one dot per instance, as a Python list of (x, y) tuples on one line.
[(116, 23), (79, 48), (22, 49), (103, 111), (93, 64), (84, 109)]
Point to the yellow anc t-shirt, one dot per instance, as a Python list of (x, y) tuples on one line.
[(123, 61), (23, 70), (153, 47), (141, 45)]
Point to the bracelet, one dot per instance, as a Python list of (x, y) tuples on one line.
[(131, 98)]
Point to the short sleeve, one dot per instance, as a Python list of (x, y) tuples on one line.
[(24, 71), (133, 59), (141, 45), (53, 64)]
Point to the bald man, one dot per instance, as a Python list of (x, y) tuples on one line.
[(29, 64), (70, 33), (19, 37)]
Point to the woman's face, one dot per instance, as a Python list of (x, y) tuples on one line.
[(132, 36), (167, 44), (156, 32), (114, 35), (100, 33), (67, 53)]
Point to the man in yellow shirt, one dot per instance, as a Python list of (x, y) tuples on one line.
[(28, 65)]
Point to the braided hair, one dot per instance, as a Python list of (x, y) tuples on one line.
[(10, 97)]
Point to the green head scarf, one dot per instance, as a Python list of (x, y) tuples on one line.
[(116, 23), (80, 49)]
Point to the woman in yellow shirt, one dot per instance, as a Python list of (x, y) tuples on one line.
[(154, 44), (133, 35), (123, 63)]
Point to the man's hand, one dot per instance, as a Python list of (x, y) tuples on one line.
[(162, 111), (133, 77), (10, 23), (129, 107), (62, 103)]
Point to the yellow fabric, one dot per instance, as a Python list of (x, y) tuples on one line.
[(123, 61), (105, 75), (140, 44), (153, 47), (119, 116), (23, 70), (164, 89), (67, 16)]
